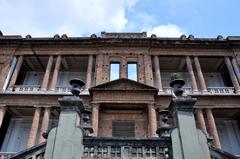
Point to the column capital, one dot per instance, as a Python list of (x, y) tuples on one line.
[(95, 105), (37, 106), (42, 106), (151, 104)]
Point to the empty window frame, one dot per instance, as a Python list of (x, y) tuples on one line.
[(114, 71), (123, 129), (132, 71)]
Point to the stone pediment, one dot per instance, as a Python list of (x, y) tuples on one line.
[(123, 91), (123, 84)]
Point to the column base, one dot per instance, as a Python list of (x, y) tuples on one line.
[(161, 92), (238, 92), (205, 92), (43, 89), (196, 92)]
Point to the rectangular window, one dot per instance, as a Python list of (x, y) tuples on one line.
[(132, 71), (114, 71), (123, 129)]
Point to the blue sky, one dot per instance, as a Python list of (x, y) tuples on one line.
[(166, 18)]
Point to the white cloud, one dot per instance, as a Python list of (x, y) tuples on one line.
[(169, 30), (73, 17)]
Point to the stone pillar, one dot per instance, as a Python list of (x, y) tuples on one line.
[(16, 72), (55, 73), (191, 73), (123, 68), (187, 141), (152, 120), (200, 75), (45, 123), (95, 118), (158, 74), (89, 72), (200, 120), (2, 113), (66, 140), (47, 74), (213, 129), (34, 128), (232, 75)]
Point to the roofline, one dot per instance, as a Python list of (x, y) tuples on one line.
[(183, 41)]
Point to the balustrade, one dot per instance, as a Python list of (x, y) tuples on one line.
[(167, 90), (26, 88), (6, 155), (127, 148), (211, 90)]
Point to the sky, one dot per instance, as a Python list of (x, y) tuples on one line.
[(165, 18)]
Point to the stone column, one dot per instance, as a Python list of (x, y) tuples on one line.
[(200, 120), (213, 129), (200, 75), (47, 74), (123, 69), (34, 128), (2, 113), (152, 120), (232, 75), (191, 73), (158, 74), (95, 118), (45, 123), (89, 72), (16, 72), (236, 68), (55, 73)]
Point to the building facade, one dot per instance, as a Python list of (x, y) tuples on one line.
[(127, 78)]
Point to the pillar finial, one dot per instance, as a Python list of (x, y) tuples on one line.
[(177, 83)]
